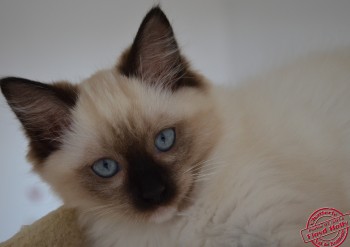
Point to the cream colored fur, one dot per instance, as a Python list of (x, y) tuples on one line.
[(283, 152)]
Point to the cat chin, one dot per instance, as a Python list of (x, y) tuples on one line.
[(163, 214)]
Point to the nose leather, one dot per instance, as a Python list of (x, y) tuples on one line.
[(149, 183), (153, 193)]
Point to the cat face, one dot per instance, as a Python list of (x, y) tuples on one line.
[(130, 140)]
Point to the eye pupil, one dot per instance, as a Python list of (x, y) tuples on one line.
[(163, 138), (105, 165)]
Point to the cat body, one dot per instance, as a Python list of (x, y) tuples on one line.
[(284, 151), (152, 154)]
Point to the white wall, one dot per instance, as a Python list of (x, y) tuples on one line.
[(227, 40)]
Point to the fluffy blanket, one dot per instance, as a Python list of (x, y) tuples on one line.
[(58, 228)]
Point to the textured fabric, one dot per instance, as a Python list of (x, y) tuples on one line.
[(58, 228)]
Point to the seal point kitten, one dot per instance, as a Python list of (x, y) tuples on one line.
[(151, 154)]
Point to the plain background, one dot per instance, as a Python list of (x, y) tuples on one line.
[(228, 41)]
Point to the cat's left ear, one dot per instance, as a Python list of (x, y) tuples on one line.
[(154, 56), (44, 111)]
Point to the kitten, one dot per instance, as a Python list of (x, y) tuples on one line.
[(151, 154)]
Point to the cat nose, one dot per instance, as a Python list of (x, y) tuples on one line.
[(150, 187), (154, 193)]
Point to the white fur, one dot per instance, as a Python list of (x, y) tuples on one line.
[(284, 152)]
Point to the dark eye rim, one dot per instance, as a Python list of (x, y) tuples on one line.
[(105, 158), (171, 146)]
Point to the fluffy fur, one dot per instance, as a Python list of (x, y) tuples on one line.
[(249, 166)]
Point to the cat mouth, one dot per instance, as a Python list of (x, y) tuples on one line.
[(163, 214)]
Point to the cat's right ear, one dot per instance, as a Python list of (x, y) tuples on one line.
[(154, 57), (44, 111)]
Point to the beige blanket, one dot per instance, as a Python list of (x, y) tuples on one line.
[(59, 228)]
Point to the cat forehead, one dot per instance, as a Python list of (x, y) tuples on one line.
[(115, 99)]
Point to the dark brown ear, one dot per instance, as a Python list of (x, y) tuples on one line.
[(44, 111), (154, 56)]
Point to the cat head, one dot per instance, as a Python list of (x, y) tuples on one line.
[(129, 140)]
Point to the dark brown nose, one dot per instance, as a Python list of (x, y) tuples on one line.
[(151, 188), (150, 184), (153, 193)]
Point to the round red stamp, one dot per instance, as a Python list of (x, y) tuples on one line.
[(326, 227)]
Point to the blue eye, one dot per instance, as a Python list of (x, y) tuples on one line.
[(105, 168), (165, 139)]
